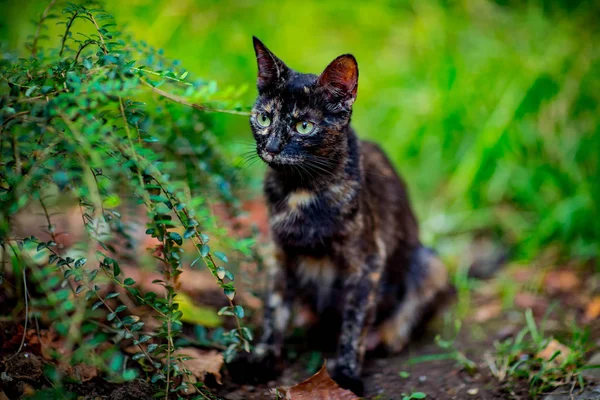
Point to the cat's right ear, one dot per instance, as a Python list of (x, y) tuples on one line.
[(271, 70)]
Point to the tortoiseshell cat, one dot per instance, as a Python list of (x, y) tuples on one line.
[(346, 241)]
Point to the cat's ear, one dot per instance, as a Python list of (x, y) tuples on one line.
[(339, 81), (271, 70)]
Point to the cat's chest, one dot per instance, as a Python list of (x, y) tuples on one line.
[(309, 221)]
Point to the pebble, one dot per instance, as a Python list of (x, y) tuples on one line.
[(593, 374), (422, 378), (590, 393), (473, 392)]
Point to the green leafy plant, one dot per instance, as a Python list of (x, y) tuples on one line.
[(414, 395), (101, 121), (544, 361)]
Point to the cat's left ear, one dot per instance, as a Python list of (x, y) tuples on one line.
[(339, 81), (271, 70)]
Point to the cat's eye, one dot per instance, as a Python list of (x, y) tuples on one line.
[(263, 120), (305, 127)]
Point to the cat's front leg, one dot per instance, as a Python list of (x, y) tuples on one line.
[(279, 300), (358, 314), (277, 311), (264, 362)]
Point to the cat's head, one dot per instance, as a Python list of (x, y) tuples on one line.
[(302, 119)]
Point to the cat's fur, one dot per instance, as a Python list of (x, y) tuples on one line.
[(345, 240)]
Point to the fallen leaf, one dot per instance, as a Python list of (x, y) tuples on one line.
[(83, 372), (202, 362), (196, 314), (488, 311), (551, 349), (319, 386), (561, 281), (538, 304), (592, 311)]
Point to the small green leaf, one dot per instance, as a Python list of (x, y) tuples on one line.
[(204, 250), (79, 263), (152, 347), (111, 295), (129, 374), (145, 338), (220, 255), (246, 333), (129, 281), (116, 362), (239, 311), (137, 356), (189, 232), (176, 237), (195, 261)]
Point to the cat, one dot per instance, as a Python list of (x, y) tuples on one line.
[(345, 241)]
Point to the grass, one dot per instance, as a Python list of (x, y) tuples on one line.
[(542, 360)]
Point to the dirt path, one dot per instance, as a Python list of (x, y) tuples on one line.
[(459, 367)]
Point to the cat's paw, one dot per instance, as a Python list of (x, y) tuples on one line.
[(260, 366), (348, 381)]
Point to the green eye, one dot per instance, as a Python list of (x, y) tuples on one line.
[(263, 120), (305, 127)]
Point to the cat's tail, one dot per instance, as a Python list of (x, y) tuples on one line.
[(427, 291)]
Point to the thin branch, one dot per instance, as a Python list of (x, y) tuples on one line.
[(99, 33), (26, 306), (64, 39), (39, 26), (180, 100)]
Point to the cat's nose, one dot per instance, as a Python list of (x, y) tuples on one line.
[(274, 145)]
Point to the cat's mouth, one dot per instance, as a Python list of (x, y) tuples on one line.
[(278, 160)]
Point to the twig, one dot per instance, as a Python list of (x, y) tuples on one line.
[(64, 39), (99, 33), (180, 100), (37, 29), (26, 306)]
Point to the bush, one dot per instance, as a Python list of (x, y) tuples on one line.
[(91, 120)]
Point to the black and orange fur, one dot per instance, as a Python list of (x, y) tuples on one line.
[(345, 240)]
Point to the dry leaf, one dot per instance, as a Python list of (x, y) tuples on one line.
[(319, 386), (538, 304), (83, 372), (592, 311), (202, 362), (551, 349), (561, 281), (488, 311)]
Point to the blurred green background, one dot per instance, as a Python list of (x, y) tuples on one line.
[(489, 109)]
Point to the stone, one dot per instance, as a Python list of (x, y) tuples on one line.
[(590, 393), (593, 374)]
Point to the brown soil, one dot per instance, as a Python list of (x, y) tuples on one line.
[(439, 379)]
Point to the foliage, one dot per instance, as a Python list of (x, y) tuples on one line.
[(541, 359), (79, 123)]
